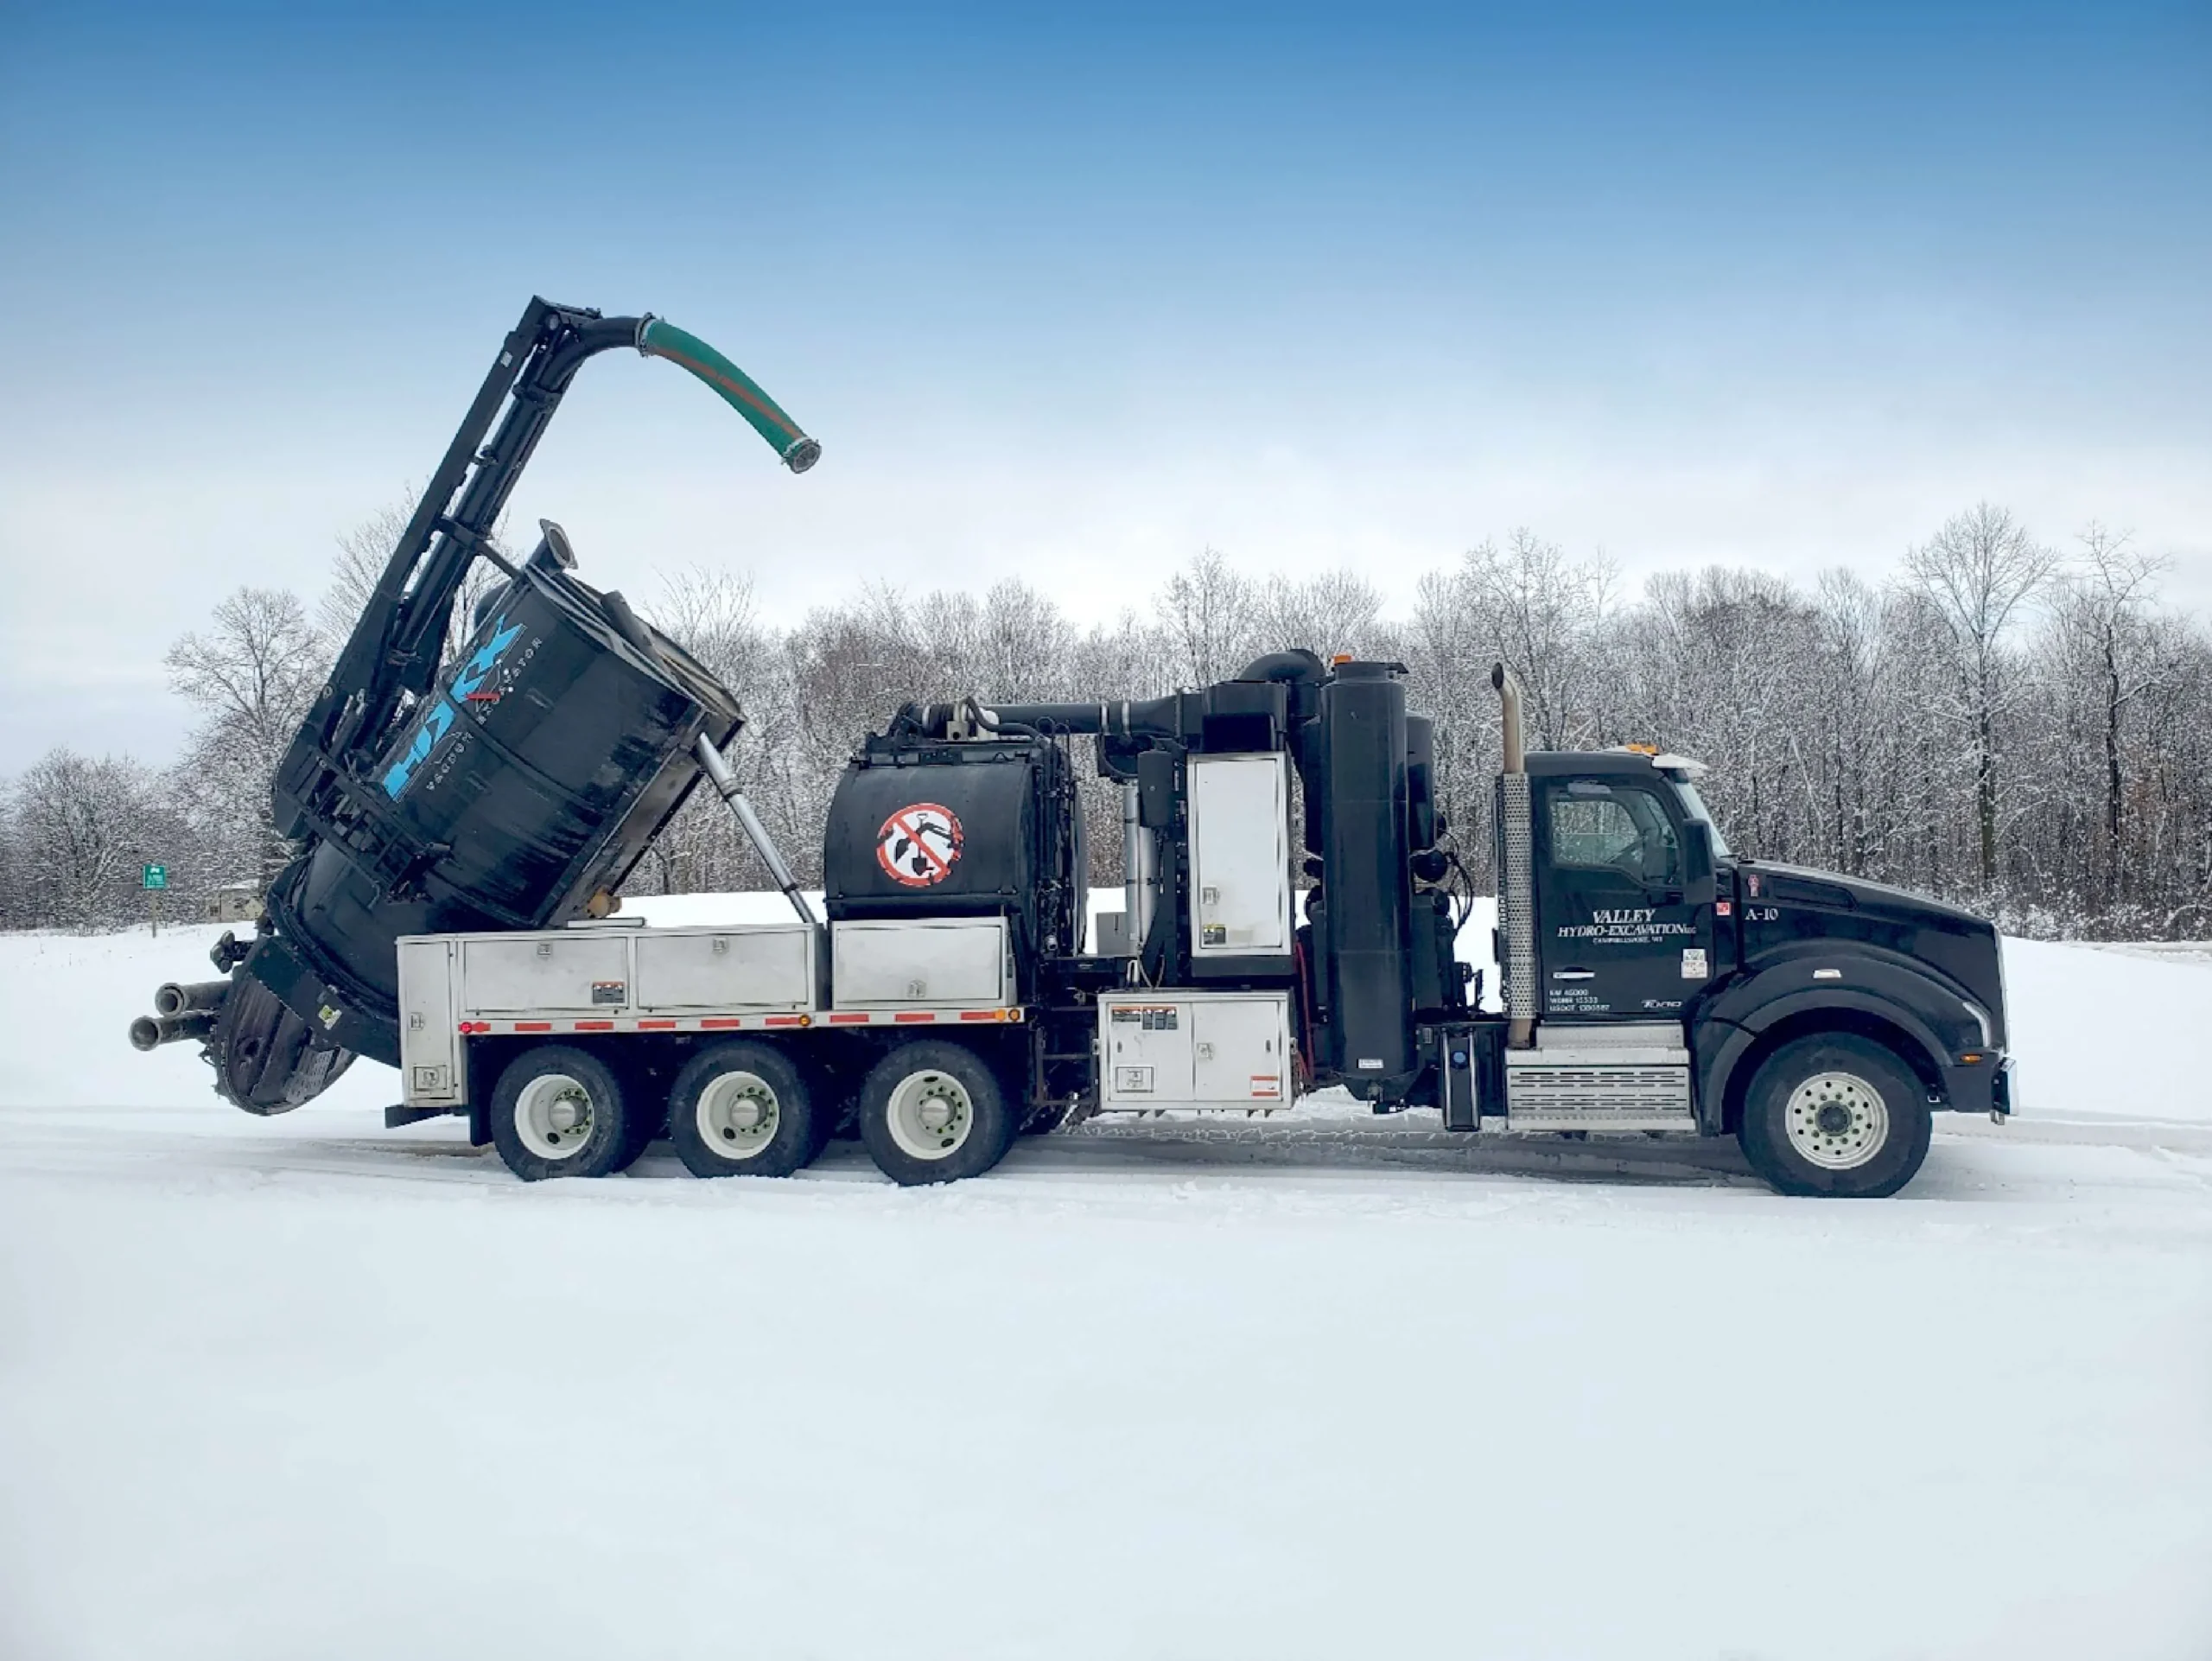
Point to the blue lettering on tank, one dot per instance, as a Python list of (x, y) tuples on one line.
[(438, 718)]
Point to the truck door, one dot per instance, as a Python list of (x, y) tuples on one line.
[(1616, 936)]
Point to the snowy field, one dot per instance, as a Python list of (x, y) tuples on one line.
[(1335, 1387)]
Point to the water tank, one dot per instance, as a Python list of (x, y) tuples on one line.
[(984, 828)]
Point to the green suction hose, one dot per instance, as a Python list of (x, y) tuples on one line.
[(657, 338)]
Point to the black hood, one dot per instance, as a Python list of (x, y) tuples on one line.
[(1955, 943)]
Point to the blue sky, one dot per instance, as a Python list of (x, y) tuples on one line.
[(1071, 299)]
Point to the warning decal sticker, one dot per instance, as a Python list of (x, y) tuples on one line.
[(919, 844)]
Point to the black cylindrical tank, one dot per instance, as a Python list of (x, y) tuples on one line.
[(1360, 935), (952, 830), (553, 749)]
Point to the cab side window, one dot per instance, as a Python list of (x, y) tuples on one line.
[(1599, 827)]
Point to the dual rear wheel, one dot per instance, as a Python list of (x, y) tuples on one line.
[(934, 1112), (929, 1111), (744, 1110), (561, 1112)]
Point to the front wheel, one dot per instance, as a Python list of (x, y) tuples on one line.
[(1835, 1114), (934, 1112)]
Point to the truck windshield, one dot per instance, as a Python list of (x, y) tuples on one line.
[(1695, 806)]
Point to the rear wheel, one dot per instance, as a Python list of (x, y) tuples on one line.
[(559, 1111), (934, 1112), (741, 1110), (1835, 1114)]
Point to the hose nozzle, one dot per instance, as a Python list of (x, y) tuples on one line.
[(657, 338)]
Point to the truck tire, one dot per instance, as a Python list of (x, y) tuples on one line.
[(741, 1109), (559, 1111), (933, 1112), (1835, 1114)]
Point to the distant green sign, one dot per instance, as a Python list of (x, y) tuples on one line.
[(153, 877)]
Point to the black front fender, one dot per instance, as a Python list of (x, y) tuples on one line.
[(1869, 991)]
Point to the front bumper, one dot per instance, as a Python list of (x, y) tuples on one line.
[(1984, 1086)]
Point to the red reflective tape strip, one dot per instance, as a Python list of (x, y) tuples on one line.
[(594, 1027), (846, 1018), (656, 1026), (915, 1014), (784, 1021), (720, 1023), (533, 1026), (982, 1014)]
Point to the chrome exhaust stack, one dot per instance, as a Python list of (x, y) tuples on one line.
[(1516, 880)]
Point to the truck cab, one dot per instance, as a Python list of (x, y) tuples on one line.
[(1654, 980), (1627, 882)]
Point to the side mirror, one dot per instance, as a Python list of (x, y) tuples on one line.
[(1698, 886)]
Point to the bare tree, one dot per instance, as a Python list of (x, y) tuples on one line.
[(1979, 572), (82, 827), (1336, 611), (252, 673), (1545, 611), (1206, 613), (2107, 603), (359, 566)]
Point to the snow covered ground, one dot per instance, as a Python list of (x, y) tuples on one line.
[(1330, 1387)]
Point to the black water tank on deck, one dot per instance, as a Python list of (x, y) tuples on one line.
[(1361, 935), (957, 829)]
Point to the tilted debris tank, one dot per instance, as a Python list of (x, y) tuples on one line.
[(512, 786)]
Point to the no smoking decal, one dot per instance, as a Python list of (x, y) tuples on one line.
[(919, 844)]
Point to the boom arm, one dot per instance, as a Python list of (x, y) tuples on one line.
[(392, 655)]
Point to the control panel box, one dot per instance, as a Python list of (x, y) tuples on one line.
[(1206, 1050)]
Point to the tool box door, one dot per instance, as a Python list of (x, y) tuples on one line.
[(1238, 1051), (528, 974), (429, 1035)]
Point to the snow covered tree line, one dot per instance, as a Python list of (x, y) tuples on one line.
[(2023, 728)]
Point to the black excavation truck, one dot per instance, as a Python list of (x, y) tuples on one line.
[(466, 828)]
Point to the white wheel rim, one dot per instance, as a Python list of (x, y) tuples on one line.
[(1837, 1121), (738, 1114), (931, 1115), (553, 1115)]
